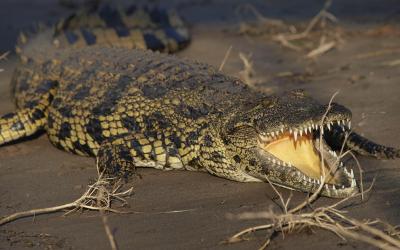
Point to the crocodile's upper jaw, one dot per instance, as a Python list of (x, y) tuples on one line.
[(298, 155)]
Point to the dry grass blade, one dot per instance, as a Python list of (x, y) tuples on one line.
[(331, 218), (98, 197)]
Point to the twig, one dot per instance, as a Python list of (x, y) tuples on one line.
[(104, 219), (392, 63), (264, 20), (228, 52), (4, 55), (321, 49), (284, 42), (284, 204), (247, 73), (378, 53), (316, 18)]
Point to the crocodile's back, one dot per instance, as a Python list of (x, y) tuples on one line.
[(105, 92)]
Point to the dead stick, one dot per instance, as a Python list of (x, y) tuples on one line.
[(34, 212)]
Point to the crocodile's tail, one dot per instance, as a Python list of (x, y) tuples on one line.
[(359, 144), (107, 25)]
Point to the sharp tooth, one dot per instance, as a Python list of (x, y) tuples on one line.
[(334, 153), (290, 131), (273, 161), (326, 186), (273, 134), (349, 125), (295, 135), (338, 122), (301, 133), (351, 173), (353, 183), (304, 177), (341, 164), (281, 130), (342, 186), (329, 126), (310, 129), (333, 187), (318, 182)]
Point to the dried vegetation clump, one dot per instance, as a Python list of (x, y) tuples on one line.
[(315, 38)]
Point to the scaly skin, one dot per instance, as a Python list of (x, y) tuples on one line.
[(136, 108), (112, 26)]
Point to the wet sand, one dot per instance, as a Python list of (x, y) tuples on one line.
[(34, 174)]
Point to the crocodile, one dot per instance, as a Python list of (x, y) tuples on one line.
[(131, 107)]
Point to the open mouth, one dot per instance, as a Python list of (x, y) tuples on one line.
[(309, 158)]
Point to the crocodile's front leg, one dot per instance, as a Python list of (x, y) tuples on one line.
[(359, 144), (29, 118), (119, 155)]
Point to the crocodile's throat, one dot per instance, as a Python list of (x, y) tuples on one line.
[(301, 154)]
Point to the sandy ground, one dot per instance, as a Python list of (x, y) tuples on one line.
[(34, 174)]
